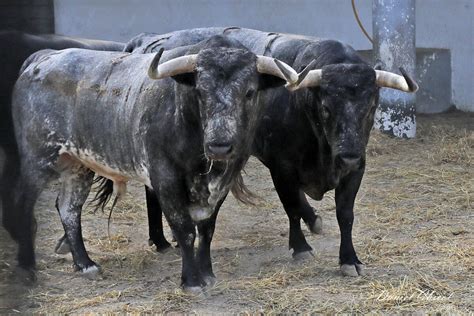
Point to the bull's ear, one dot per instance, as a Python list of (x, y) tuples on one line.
[(378, 65), (269, 81), (188, 79)]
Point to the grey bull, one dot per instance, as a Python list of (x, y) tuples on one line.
[(183, 128)]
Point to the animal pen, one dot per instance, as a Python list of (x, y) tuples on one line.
[(413, 226), (413, 231)]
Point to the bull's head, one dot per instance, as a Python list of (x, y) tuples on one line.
[(346, 98), (226, 82)]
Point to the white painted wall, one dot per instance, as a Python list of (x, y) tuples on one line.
[(440, 24)]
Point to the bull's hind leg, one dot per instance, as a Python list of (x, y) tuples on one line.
[(289, 195), (19, 217), (62, 246), (75, 187), (9, 177), (155, 222)]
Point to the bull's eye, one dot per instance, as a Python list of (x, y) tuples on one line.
[(249, 93), (325, 113)]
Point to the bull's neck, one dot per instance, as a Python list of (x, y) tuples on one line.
[(186, 106), (175, 127)]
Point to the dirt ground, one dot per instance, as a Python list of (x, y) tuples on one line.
[(414, 231)]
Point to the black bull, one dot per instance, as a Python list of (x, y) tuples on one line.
[(312, 140), (15, 47), (79, 112)]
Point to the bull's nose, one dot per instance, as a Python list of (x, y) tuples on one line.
[(349, 161), (219, 151)]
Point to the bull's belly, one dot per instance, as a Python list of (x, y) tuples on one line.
[(314, 192), (320, 185), (120, 175)]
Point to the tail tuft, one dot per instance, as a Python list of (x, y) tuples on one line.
[(104, 193)]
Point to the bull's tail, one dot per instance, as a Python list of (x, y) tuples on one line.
[(104, 193), (106, 189), (242, 193)]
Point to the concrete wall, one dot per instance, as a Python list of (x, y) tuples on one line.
[(433, 75), (449, 24), (32, 16), (441, 24)]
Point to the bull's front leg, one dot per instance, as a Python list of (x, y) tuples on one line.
[(206, 232), (171, 191), (345, 197), (313, 221)]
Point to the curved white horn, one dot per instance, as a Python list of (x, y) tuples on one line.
[(173, 67), (391, 80), (311, 79), (275, 67)]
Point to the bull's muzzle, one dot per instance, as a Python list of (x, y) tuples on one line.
[(219, 151), (348, 161)]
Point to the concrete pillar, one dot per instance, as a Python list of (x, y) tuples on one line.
[(393, 23)]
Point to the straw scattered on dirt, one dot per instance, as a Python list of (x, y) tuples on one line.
[(413, 230)]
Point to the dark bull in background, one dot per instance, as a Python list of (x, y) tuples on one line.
[(15, 47), (312, 140)]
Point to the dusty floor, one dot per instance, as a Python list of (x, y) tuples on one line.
[(414, 231)]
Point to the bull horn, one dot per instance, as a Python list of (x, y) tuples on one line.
[(274, 67), (173, 67), (308, 79), (391, 80)]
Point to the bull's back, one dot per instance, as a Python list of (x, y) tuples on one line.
[(259, 42), (15, 47), (54, 41), (78, 94)]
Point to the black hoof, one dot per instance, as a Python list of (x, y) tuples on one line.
[(62, 247), (210, 280), (303, 256), (25, 276), (161, 247), (317, 226), (196, 291), (93, 272), (302, 247), (352, 270)]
